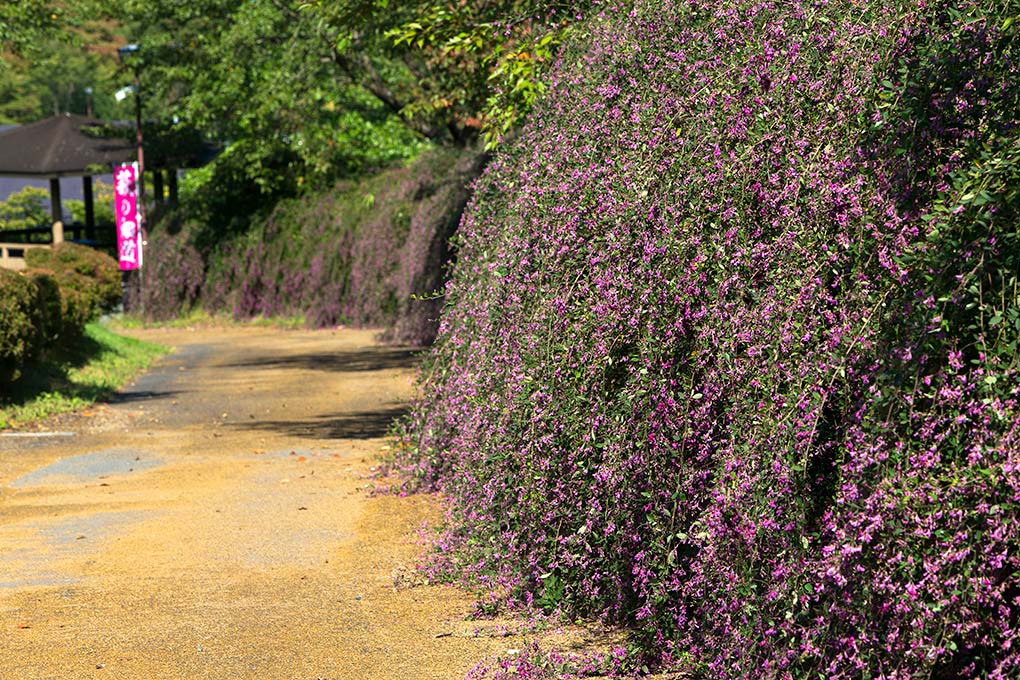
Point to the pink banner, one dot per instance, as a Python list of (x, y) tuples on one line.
[(129, 232)]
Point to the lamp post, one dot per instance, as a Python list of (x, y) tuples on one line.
[(125, 53)]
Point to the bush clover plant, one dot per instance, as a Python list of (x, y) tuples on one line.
[(729, 354)]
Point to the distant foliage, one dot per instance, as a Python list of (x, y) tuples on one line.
[(369, 253), (262, 76), (102, 206), (730, 351), (174, 271), (50, 52), (25, 209)]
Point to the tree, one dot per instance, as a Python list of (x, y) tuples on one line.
[(467, 66), (259, 76), (25, 209), (57, 58), (22, 21)]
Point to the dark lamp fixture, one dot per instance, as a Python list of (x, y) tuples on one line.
[(127, 50)]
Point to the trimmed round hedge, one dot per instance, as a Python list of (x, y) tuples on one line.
[(92, 274), (46, 307), (20, 321)]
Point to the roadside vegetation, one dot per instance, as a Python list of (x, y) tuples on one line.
[(54, 357), (301, 96), (387, 255), (729, 355), (197, 317), (729, 352), (77, 377)]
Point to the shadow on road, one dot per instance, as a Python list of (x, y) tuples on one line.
[(130, 396), (356, 425), (379, 359)]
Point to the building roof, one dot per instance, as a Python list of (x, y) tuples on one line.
[(62, 145)]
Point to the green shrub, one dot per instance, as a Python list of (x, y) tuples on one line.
[(67, 303), (91, 273), (49, 306), (19, 323)]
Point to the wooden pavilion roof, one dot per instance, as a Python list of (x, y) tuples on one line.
[(65, 145)]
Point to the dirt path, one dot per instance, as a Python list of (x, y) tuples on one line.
[(212, 523)]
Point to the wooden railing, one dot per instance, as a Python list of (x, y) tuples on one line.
[(14, 242), (12, 255), (44, 234)]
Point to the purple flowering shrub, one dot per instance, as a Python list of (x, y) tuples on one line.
[(368, 253), (355, 255), (174, 270), (730, 350)]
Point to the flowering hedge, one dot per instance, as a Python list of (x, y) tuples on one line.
[(367, 253), (730, 351)]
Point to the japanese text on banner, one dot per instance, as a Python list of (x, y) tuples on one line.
[(129, 233)]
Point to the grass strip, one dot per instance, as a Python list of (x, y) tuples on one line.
[(100, 363), (200, 318)]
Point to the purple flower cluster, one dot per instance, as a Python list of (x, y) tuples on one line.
[(708, 365), (370, 253), (174, 275)]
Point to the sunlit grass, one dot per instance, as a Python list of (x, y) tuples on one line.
[(100, 363), (200, 318)]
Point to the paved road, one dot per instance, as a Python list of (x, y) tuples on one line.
[(212, 523)]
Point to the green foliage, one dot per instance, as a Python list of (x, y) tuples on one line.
[(75, 377), (67, 303), (83, 271), (977, 225), (25, 209), (309, 92), (18, 101), (19, 323), (259, 76), (56, 51), (22, 21), (47, 307), (463, 67), (59, 314), (102, 205), (509, 46)]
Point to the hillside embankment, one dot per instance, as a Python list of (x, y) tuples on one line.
[(367, 253), (730, 351)]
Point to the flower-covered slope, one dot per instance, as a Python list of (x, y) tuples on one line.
[(730, 352)]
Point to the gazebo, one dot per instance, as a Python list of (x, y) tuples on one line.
[(69, 145), (62, 146)]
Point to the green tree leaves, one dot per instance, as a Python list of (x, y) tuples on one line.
[(57, 58), (25, 209), (260, 75)]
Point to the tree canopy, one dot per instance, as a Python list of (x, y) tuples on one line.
[(58, 58), (299, 92)]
